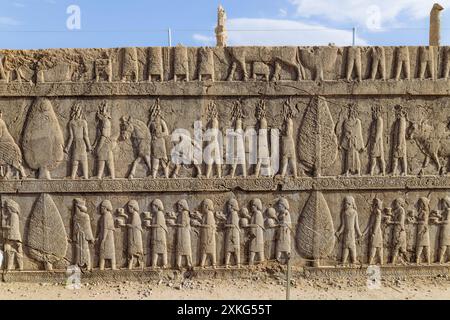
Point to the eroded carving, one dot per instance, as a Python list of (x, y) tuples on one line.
[(42, 145)]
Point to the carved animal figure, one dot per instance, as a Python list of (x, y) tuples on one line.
[(432, 142), (138, 132), (288, 56), (319, 60)]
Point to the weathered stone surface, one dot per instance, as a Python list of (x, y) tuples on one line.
[(350, 145)]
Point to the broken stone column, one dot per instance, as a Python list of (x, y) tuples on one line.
[(221, 32), (435, 25)]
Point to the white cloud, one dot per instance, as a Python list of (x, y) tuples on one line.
[(290, 33), (205, 40), (360, 11), (9, 21)]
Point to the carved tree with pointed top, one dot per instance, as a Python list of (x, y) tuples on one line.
[(43, 141), (47, 237), (317, 144), (315, 229)]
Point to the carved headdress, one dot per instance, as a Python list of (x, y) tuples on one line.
[(76, 112), (260, 112), (237, 112), (290, 111), (103, 111), (212, 110), (155, 110)]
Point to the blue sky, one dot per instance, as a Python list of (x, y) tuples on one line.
[(32, 24)]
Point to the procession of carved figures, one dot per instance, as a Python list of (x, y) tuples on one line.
[(319, 142), (181, 63), (244, 227)]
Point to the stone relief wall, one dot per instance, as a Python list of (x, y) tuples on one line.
[(350, 167)]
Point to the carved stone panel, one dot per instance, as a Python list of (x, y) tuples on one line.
[(226, 157)]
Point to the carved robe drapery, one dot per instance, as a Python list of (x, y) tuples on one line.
[(159, 233), (284, 232), (208, 234), (352, 142), (135, 247), (184, 233), (232, 234), (107, 246), (257, 240), (82, 234)]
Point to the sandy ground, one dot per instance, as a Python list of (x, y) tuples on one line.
[(437, 288)]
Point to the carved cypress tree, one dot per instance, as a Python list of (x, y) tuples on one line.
[(317, 145), (47, 237), (42, 140), (315, 230)]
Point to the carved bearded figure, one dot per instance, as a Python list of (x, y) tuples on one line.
[(13, 239), (135, 248), (183, 225), (352, 141), (208, 233), (159, 233), (232, 233), (349, 229), (256, 231), (82, 234), (107, 229)]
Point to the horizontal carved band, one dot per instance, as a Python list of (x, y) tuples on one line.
[(417, 87), (225, 184)]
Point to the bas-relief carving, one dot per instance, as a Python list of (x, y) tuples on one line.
[(156, 64), (312, 131)]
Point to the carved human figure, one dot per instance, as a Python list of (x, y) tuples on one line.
[(10, 154), (375, 232), (78, 141), (159, 134), (426, 56), (106, 236), (206, 64), (446, 62), (353, 63), (283, 238), (12, 237), (288, 154), (399, 231), (158, 234), (155, 70), (444, 234), (130, 71), (135, 248), (183, 225), (399, 141), (402, 63), (378, 63), (180, 64), (103, 144), (352, 141), (423, 230), (238, 138), (256, 231), (208, 233), (232, 233), (186, 152), (213, 156), (263, 156), (349, 228), (82, 235), (139, 134), (375, 142)]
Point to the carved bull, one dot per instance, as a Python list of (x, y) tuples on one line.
[(316, 59)]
